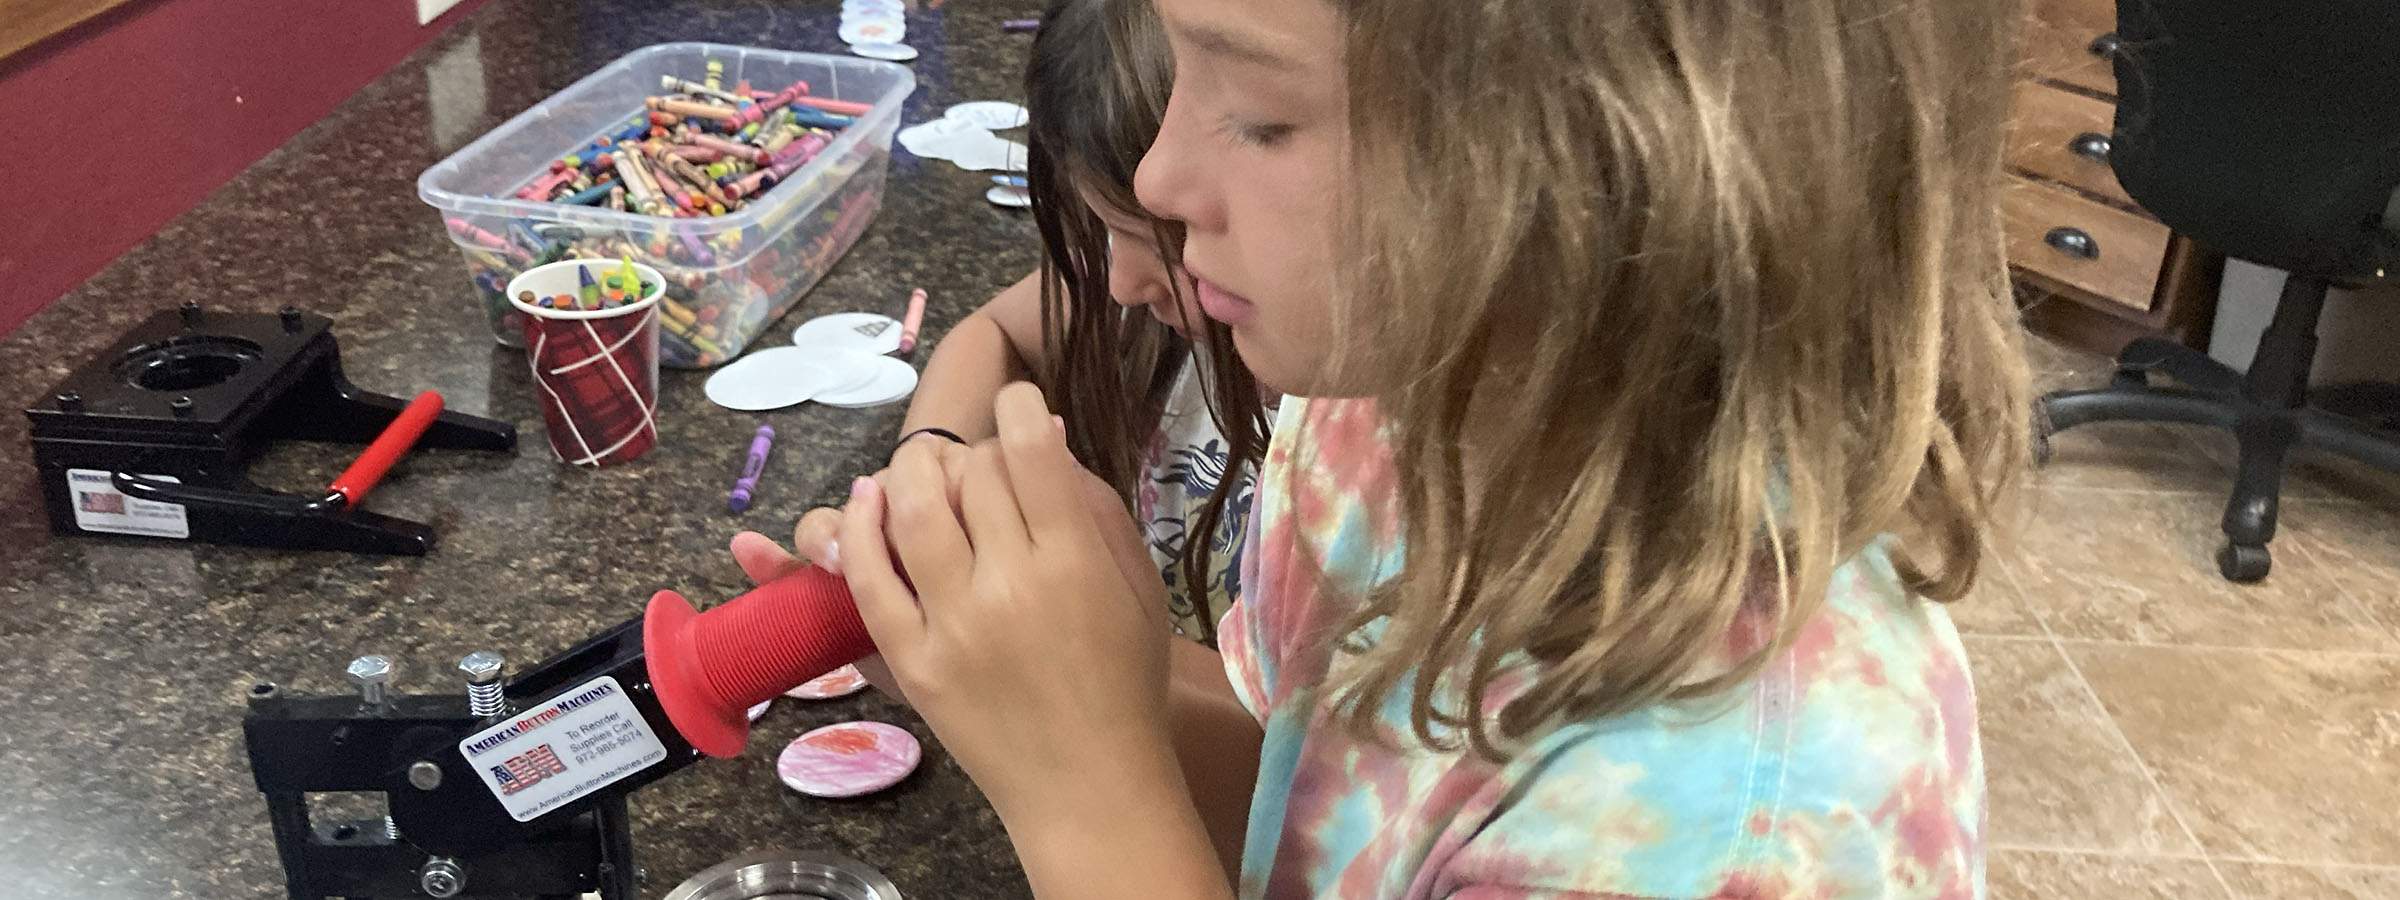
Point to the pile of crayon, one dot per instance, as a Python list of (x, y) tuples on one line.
[(698, 149), (616, 289), (695, 152)]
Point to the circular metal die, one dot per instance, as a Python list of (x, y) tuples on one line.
[(785, 874)]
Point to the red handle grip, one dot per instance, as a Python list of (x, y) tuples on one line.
[(709, 668), (387, 448)]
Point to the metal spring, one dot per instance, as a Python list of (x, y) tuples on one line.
[(486, 700)]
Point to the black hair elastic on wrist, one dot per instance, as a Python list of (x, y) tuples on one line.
[(938, 432)]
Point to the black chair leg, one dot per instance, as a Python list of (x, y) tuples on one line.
[(2277, 388), (2266, 440), (2367, 444), (2194, 369), (2264, 407)]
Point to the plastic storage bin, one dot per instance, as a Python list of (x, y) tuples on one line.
[(728, 276)]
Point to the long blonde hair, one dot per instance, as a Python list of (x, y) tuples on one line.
[(1736, 266)]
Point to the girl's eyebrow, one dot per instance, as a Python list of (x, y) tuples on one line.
[(1232, 45)]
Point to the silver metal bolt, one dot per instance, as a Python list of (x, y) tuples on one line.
[(441, 877), (424, 775), (391, 829), (372, 674), (484, 669)]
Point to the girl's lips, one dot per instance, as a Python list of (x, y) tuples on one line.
[(1223, 305)]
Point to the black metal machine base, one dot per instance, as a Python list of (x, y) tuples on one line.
[(2266, 409), (152, 437), (440, 812)]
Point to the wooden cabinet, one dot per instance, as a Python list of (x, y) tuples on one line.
[(24, 23), (2095, 269)]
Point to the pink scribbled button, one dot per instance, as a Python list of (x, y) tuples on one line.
[(840, 682), (848, 759)]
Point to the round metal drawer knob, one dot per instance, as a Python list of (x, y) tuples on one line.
[(2073, 242), (2090, 145)]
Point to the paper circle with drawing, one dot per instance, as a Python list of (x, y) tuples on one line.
[(848, 759), (857, 332), (840, 682)]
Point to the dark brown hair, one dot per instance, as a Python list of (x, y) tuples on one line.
[(1097, 89)]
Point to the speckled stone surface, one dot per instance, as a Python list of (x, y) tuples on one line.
[(123, 662)]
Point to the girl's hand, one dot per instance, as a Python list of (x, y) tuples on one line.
[(1031, 630), (764, 561), (815, 537)]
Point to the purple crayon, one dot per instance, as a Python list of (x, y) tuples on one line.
[(757, 463)]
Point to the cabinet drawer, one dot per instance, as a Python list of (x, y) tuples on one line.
[(2122, 270), (2056, 38), (2062, 136)]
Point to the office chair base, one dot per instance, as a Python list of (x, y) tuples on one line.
[(2216, 395)]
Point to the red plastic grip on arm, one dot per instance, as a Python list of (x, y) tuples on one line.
[(709, 668), (387, 448)]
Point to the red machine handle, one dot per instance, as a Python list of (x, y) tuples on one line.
[(387, 448), (709, 668)]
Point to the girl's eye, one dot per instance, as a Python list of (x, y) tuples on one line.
[(1256, 134)]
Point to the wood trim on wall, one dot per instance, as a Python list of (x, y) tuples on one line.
[(24, 23)]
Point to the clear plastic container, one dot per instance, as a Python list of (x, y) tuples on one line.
[(728, 276)]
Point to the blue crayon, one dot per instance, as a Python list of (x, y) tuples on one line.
[(523, 232), (590, 196), (817, 118)]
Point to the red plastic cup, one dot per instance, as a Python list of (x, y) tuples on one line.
[(594, 371)]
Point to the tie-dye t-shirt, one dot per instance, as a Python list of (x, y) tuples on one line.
[(1848, 768)]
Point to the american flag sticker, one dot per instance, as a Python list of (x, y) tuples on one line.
[(521, 772)]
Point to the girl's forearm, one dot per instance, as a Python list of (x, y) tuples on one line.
[(999, 344), (1216, 744), (1155, 828), (970, 365), (1132, 832)]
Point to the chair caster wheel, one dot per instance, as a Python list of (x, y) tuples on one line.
[(2243, 564), (2130, 378)]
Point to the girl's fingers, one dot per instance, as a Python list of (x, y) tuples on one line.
[(885, 604), (817, 537), (761, 559), (1041, 466), (989, 504), (922, 525)]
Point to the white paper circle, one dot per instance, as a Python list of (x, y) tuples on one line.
[(894, 380), (772, 379), (932, 140), (885, 51), (1013, 197), (866, 333), (994, 115), (982, 151)]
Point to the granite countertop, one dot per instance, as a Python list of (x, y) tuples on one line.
[(123, 662)]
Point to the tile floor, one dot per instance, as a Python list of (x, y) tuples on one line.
[(2153, 731)]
